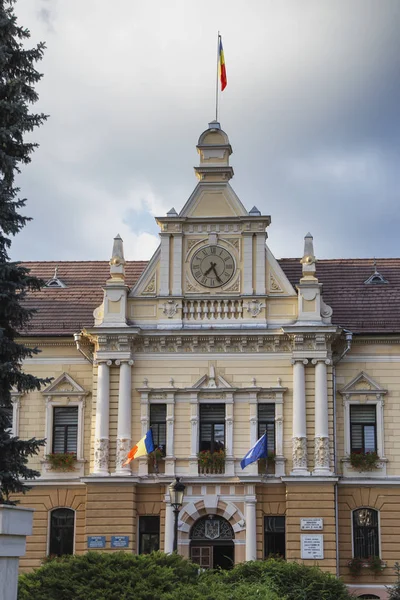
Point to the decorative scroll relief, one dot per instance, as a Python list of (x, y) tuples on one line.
[(274, 285), (235, 286), (190, 287), (321, 452), (150, 288), (299, 453), (123, 447), (101, 454)]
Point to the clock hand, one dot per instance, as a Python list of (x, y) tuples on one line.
[(216, 274), (210, 269)]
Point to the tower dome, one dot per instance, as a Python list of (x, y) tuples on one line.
[(214, 150)]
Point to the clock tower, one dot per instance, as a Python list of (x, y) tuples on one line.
[(212, 267)]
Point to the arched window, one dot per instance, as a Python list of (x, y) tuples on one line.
[(365, 533), (62, 521)]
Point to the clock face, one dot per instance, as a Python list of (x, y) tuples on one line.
[(212, 266)]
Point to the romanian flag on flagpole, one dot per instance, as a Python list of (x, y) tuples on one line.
[(221, 65), (142, 448)]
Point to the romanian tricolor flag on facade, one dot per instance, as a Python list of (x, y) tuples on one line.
[(142, 448), (221, 66)]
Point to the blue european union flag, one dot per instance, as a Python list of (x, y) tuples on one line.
[(259, 450)]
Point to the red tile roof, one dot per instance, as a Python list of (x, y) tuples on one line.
[(361, 308), (356, 306)]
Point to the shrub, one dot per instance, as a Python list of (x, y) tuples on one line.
[(107, 576), (394, 591), (158, 576), (292, 581)]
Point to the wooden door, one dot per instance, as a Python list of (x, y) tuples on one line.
[(202, 556)]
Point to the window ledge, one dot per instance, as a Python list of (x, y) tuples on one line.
[(78, 471), (377, 473)]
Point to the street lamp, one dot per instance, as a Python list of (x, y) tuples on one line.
[(176, 492)]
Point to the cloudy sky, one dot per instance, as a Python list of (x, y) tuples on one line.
[(312, 110)]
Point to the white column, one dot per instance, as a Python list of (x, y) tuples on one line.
[(260, 264), (101, 436), (169, 527), (164, 264), (177, 267), (124, 427), (248, 263), (321, 439), (299, 418), (251, 528)]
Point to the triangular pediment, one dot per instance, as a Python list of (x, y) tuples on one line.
[(277, 282), (213, 200), (212, 380), (362, 384), (64, 385), (146, 285)]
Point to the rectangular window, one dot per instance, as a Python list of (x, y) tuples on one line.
[(65, 429), (149, 534), (274, 536), (363, 428), (365, 533), (212, 427), (266, 423), (158, 424)]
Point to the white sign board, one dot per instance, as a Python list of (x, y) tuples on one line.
[(312, 547), (311, 524)]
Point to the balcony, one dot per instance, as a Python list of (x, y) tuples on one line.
[(211, 463)]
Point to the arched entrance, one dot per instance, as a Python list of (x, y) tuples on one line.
[(211, 543)]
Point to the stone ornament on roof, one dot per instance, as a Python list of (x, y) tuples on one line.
[(55, 281)]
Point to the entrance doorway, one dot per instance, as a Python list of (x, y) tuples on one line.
[(211, 543)]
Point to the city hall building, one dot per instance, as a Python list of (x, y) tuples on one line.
[(210, 344)]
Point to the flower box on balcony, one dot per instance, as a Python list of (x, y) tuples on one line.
[(211, 463)]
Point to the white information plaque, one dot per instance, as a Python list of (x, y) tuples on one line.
[(312, 547), (312, 524)]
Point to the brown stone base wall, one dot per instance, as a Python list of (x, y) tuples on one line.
[(387, 501), (311, 500), (43, 499), (271, 500)]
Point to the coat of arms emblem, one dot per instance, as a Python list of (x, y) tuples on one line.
[(211, 530)]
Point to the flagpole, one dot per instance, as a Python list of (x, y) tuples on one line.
[(216, 84)]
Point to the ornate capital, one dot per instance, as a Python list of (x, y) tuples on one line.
[(299, 360), (327, 361)]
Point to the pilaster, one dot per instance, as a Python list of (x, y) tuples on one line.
[(164, 263), (251, 526), (247, 263)]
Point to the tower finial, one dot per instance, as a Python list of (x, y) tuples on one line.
[(117, 261), (308, 260)]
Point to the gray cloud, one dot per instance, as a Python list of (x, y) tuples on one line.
[(311, 109)]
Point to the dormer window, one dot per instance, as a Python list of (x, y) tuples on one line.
[(55, 281), (376, 278)]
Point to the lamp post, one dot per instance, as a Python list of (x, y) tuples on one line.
[(176, 492)]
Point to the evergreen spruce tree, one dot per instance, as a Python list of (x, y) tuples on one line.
[(17, 79)]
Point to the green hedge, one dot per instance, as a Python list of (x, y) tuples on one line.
[(123, 576)]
